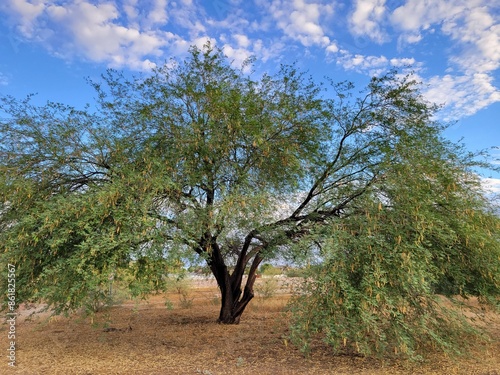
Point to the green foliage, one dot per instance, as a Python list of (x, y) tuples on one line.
[(182, 287), (426, 228), (296, 272), (267, 288), (169, 305), (191, 157), (200, 161), (268, 269), (68, 246)]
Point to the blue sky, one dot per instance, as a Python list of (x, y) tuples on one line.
[(49, 47)]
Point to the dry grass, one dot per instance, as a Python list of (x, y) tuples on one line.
[(149, 338)]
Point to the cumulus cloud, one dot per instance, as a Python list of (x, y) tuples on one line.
[(242, 40), (366, 19), (237, 55), (202, 41), (409, 38), (475, 36), (267, 51), (301, 21), (93, 31), (468, 23), (95, 35), (22, 14), (416, 15), (158, 14), (473, 54), (137, 34)]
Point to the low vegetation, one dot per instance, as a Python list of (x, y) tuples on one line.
[(147, 337)]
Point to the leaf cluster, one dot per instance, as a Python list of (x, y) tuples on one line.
[(423, 232)]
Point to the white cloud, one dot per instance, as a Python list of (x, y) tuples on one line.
[(237, 55), (416, 15), (403, 62), (474, 35), (242, 40), (189, 17), (409, 38), (301, 21), (468, 23), (158, 15), (373, 65), (479, 36), (202, 41), (23, 14), (265, 52), (462, 95), (135, 34), (131, 11), (491, 185), (332, 48), (473, 51), (93, 31), (367, 18), (145, 15), (94, 34)]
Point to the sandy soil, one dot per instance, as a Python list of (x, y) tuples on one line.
[(183, 338)]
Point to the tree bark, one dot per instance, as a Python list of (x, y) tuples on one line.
[(233, 299)]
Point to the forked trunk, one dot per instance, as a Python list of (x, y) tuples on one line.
[(232, 308), (234, 301)]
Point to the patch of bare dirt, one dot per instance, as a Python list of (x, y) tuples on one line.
[(154, 338)]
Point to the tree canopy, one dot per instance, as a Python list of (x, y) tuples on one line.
[(200, 159)]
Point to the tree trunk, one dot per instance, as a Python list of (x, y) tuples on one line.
[(233, 300)]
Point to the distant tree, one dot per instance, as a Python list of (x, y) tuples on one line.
[(200, 158)]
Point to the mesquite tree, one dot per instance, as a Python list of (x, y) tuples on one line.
[(195, 158)]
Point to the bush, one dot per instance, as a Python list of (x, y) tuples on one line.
[(183, 288), (296, 272), (269, 270), (104, 296), (267, 289)]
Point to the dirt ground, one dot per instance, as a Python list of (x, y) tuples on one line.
[(182, 337)]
